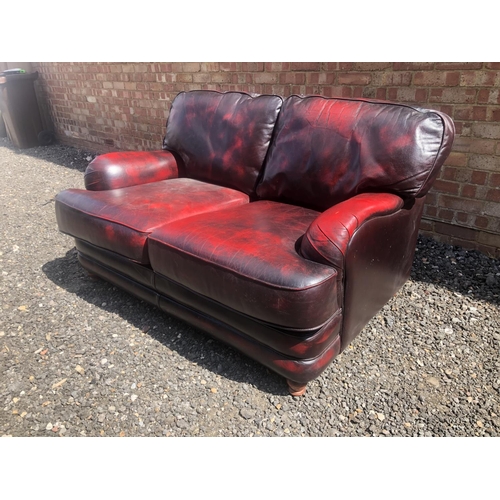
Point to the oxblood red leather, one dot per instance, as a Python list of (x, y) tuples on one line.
[(222, 137), (117, 170), (246, 258), (344, 147), (289, 279), (327, 238), (122, 219)]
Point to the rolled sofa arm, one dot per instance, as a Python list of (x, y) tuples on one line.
[(328, 237), (370, 240), (129, 168)]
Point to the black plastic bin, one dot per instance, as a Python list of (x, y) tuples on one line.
[(20, 112)]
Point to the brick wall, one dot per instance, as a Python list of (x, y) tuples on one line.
[(104, 107)]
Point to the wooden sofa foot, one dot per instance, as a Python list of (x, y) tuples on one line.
[(296, 389)]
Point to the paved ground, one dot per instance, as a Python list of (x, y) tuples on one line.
[(80, 357)]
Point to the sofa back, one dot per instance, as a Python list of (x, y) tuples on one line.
[(222, 138), (327, 150)]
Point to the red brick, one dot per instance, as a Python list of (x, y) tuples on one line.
[(426, 225), (346, 66), (445, 214), (479, 177), (456, 159), (463, 233), (354, 78), (289, 77), (482, 146), (277, 66), (448, 173), (252, 66), (230, 66), (453, 95), (458, 128), (436, 78), (336, 91), (488, 96), (494, 115), (493, 65), (493, 195), (330, 66), (468, 190), (463, 113), (431, 199), (489, 239), (470, 245), (210, 67), (446, 186), (462, 217), (372, 66), (494, 180), (430, 211), (305, 66), (459, 65), (465, 205), (320, 78), (402, 66), (481, 222)]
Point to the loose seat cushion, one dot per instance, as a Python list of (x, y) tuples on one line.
[(246, 258), (120, 220)]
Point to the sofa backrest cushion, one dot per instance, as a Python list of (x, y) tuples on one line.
[(327, 150), (222, 138)]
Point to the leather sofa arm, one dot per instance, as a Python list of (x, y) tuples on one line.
[(327, 238), (129, 168)]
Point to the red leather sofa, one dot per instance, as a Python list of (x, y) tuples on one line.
[(280, 227)]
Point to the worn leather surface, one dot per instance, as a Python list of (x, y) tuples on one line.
[(221, 137), (327, 238), (138, 272), (246, 258), (344, 147), (295, 369), (282, 283), (120, 220), (378, 262), (129, 168), (294, 343), (301, 344)]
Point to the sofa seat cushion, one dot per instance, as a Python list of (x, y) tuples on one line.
[(246, 258), (121, 220)]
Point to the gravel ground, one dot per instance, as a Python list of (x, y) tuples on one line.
[(80, 357)]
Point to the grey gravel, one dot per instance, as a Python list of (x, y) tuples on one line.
[(79, 357)]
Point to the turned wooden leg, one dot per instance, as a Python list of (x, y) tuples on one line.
[(295, 388)]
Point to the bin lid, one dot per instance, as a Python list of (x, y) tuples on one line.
[(18, 77)]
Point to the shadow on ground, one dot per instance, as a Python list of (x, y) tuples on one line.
[(467, 272), (193, 345), (59, 154)]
